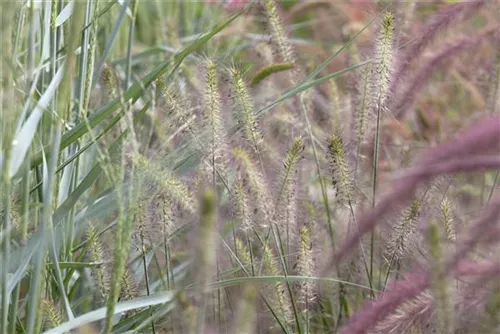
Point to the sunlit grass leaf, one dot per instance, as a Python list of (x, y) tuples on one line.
[(122, 307), (22, 139)]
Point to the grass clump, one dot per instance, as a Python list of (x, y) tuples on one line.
[(195, 167)]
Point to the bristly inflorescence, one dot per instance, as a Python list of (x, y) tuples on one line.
[(339, 168), (287, 176), (96, 255), (383, 65), (305, 267), (278, 31), (242, 206), (260, 218), (447, 219), (282, 300), (172, 186), (402, 238), (256, 184), (216, 150), (412, 316), (246, 111)]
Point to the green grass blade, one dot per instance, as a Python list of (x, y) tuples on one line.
[(137, 89), (22, 140), (306, 85), (100, 314)]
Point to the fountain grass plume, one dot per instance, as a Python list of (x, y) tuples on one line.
[(483, 136), (438, 22), (447, 219), (339, 169), (404, 99), (402, 238)]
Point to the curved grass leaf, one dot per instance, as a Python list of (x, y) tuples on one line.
[(100, 314), (273, 279), (22, 140), (268, 70)]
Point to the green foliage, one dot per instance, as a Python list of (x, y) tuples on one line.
[(148, 189)]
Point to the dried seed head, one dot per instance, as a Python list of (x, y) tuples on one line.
[(305, 267), (96, 254), (213, 104), (341, 178), (109, 80), (401, 239), (282, 301), (128, 288), (53, 316), (278, 31), (177, 109), (257, 184), (216, 150), (447, 219), (285, 198), (246, 111), (243, 210), (410, 317), (383, 65), (243, 254), (176, 190)]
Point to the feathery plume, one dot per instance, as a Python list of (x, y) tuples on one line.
[(290, 163), (284, 209), (246, 111), (447, 219), (439, 21), (305, 267), (212, 111), (188, 312), (482, 136), (177, 112), (282, 298), (213, 105), (278, 32), (128, 286), (339, 168), (335, 105), (411, 317), (109, 80), (242, 208), (383, 65), (405, 99), (96, 255), (401, 240), (256, 183), (376, 311), (243, 254), (52, 315), (174, 187)]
